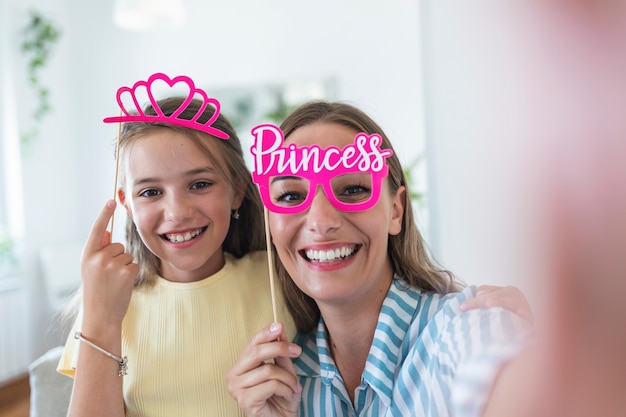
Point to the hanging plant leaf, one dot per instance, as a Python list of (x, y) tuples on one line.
[(415, 195), (40, 37)]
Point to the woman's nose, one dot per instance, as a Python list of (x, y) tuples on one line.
[(322, 217)]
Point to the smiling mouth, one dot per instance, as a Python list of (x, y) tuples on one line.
[(183, 237), (331, 255)]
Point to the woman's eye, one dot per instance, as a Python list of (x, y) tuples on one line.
[(200, 185), (355, 189), (355, 193), (352, 188), (290, 197), (149, 193)]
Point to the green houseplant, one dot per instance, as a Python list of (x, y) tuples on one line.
[(40, 37)]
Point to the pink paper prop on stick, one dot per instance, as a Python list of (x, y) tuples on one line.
[(288, 176), (136, 114)]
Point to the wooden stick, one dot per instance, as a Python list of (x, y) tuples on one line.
[(117, 166), (270, 261)]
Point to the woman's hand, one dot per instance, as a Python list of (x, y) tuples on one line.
[(510, 298), (108, 275), (264, 381)]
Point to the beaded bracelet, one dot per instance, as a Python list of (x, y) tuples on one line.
[(123, 362)]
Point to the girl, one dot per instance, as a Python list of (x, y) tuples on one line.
[(193, 287), (381, 328)]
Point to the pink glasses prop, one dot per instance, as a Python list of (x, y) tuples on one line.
[(288, 176)]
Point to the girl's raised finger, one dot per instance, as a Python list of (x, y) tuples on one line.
[(99, 236)]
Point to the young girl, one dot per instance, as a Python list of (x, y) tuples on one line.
[(192, 289), (175, 310), (381, 327)]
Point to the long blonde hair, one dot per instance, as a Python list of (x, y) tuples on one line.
[(406, 250)]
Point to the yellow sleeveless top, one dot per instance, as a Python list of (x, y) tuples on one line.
[(182, 338)]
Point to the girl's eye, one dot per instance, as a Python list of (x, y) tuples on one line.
[(149, 193), (198, 185)]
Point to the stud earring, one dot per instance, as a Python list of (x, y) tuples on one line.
[(236, 214)]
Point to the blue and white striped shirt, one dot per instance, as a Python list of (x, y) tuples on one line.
[(423, 345)]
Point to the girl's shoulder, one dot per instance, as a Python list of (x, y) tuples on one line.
[(256, 261), (249, 270)]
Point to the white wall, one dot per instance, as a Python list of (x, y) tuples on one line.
[(371, 48), (476, 82), (480, 223), (373, 52)]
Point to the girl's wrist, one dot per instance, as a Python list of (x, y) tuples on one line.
[(107, 336), (100, 328), (101, 318)]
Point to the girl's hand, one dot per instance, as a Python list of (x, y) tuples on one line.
[(509, 298), (264, 381), (108, 275)]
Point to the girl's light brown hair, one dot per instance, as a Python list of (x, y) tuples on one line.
[(407, 250), (246, 233)]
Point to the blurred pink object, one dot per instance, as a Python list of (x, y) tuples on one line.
[(575, 120)]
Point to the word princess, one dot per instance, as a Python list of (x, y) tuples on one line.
[(287, 176), (271, 158)]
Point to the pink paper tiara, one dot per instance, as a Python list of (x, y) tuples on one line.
[(137, 114)]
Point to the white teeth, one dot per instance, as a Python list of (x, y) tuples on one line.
[(178, 238), (329, 255)]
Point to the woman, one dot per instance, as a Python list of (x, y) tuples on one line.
[(380, 327)]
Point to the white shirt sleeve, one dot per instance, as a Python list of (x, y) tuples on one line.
[(476, 344)]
